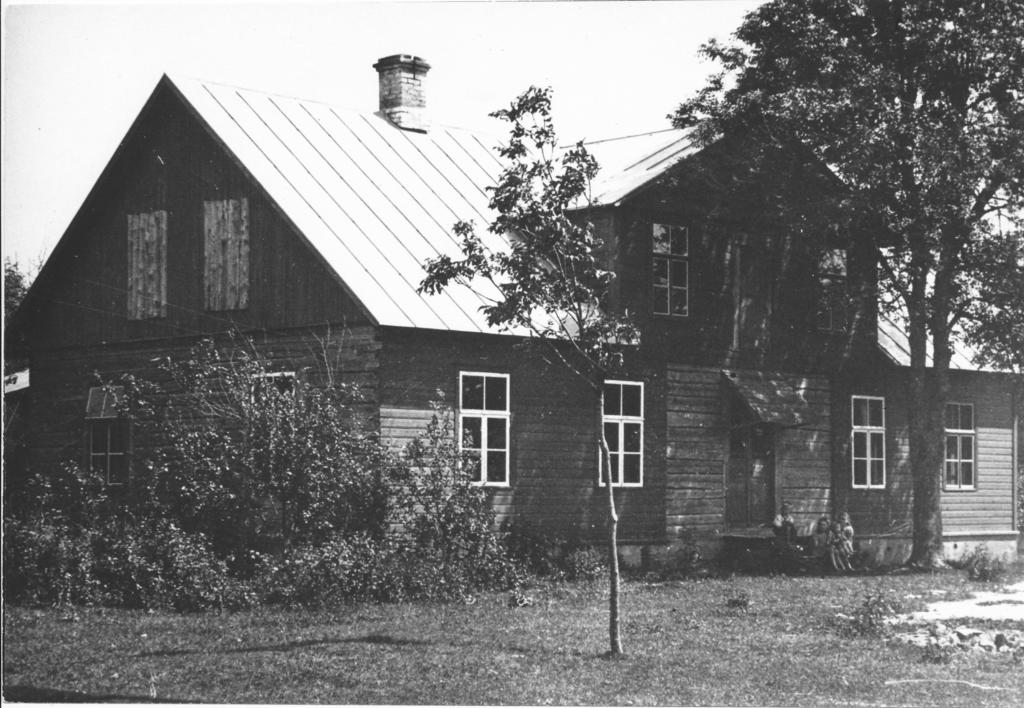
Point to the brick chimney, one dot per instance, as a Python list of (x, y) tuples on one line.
[(403, 98)]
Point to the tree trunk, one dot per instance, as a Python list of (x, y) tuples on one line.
[(927, 456), (925, 420), (614, 637)]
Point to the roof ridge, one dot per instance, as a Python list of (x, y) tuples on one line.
[(178, 78), (634, 135)]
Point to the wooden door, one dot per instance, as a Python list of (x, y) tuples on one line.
[(750, 484)]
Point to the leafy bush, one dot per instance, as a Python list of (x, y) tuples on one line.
[(872, 617), (262, 461), (552, 555), (448, 519), (982, 566), (266, 492), (585, 563), (540, 553)]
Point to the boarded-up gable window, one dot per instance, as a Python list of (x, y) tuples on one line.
[(226, 227), (147, 265)]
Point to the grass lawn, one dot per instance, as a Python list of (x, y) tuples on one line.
[(685, 645)]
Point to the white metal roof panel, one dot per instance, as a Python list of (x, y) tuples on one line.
[(894, 342), (629, 163)]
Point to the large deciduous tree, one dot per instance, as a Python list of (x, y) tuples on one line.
[(918, 110), (542, 269)]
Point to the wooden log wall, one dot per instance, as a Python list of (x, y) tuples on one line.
[(888, 512), (553, 449), (62, 378)]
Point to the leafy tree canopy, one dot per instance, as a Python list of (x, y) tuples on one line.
[(917, 108), (542, 267), (16, 284)]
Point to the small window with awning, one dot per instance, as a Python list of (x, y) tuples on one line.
[(107, 433)]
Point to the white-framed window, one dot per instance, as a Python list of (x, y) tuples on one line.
[(868, 438), (960, 446), (107, 433), (833, 296), (484, 424), (670, 247), (623, 419)]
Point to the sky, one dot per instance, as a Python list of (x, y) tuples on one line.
[(76, 74)]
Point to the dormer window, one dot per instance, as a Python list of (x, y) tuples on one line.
[(833, 297), (671, 269)]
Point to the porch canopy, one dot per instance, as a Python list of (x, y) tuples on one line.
[(776, 399)]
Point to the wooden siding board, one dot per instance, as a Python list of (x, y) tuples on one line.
[(147, 265)]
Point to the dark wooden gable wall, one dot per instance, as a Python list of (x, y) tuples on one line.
[(753, 286), (166, 170)]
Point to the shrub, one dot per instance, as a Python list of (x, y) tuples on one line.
[(449, 520), (872, 617), (262, 461), (584, 563), (982, 566)]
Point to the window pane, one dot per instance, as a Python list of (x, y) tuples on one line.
[(118, 470), (473, 392), (118, 437), (951, 476), (678, 301), (473, 461), (967, 474), (496, 466), (631, 469), (860, 412), (471, 432), (661, 301), (99, 437), (877, 473), (860, 445), (875, 416), (497, 393), (860, 472), (612, 399), (611, 436), (967, 417), (660, 238), (966, 447), (661, 272), (631, 399), (877, 446), (496, 434), (631, 433), (98, 465), (679, 273), (952, 453), (952, 416), (680, 242)]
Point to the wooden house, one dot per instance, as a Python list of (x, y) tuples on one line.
[(292, 220)]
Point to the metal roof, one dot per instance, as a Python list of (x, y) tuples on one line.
[(631, 162), (895, 344), (376, 201), (373, 200)]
